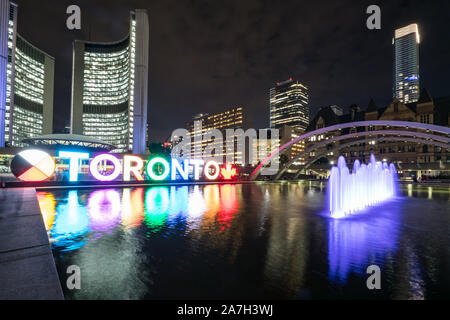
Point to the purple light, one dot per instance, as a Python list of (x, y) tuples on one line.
[(104, 209), (353, 243), (365, 186), (93, 167)]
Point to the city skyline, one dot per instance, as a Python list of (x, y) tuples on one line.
[(240, 84)]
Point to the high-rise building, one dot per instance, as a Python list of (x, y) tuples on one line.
[(109, 88), (289, 105), (26, 83), (229, 119), (406, 64), (264, 146)]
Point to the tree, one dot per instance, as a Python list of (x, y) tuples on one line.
[(284, 159)]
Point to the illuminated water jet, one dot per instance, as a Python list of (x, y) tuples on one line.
[(365, 186)]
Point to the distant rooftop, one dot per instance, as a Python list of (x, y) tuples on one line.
[(412, 28), (74, 140)]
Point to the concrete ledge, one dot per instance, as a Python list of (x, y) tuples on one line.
[(27, 267)]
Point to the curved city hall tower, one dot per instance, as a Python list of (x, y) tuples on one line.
[(26, 84), (109, 88)]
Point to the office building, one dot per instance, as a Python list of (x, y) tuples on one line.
[(264, 146), (229, 119), (110, 88), (26, 83), (289, 105), (406, 64)]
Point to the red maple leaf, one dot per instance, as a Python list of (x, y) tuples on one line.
[(229, 172)]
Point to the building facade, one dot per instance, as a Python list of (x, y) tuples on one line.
[(202, 123), (110, 88), (26, 84), (402, 153), (289, 105), (406, 64), (264, 146)]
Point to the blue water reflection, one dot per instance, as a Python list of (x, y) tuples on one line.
[(357, 242), (71, 224)]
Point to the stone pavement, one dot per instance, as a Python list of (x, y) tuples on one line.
[(27, 268)]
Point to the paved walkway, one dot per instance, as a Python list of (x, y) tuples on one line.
[(27, 268)]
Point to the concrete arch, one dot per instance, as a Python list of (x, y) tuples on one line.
[(362, 134), (389, 123), (423, 141)]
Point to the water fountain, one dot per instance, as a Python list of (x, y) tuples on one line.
[(367, 185)]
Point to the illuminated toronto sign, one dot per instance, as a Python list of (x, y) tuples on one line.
[(37, 166)]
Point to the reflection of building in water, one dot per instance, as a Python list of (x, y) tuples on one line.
[(288, 241)]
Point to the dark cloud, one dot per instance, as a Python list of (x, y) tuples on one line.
[(207, 55)]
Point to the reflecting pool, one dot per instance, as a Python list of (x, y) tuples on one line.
[(244, 241)]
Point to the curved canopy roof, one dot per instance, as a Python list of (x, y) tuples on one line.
[(74, 140)]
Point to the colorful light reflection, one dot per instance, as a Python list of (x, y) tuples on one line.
[(104, 209), (71, 223), (229, 205), (83, 216)]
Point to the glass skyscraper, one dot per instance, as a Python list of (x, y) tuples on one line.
[(406, 64), (289, 105), (109, 88), (26, 84)]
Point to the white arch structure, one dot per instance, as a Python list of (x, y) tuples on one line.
[(428, 138), (349, 144)]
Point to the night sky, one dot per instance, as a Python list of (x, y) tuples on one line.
[(208, 55)]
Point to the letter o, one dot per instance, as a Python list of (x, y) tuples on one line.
[(152, 163), (206, 170), (93, 167)]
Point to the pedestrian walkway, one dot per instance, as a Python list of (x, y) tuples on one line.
[(27, 268)]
